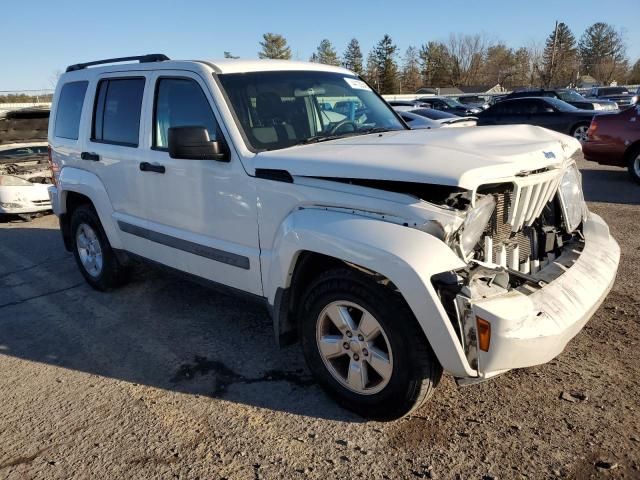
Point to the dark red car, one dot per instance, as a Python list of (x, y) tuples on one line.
[(615, 140)]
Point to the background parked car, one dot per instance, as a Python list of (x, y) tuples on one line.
[(542, 111), (615, 140), (406, 103), (449, 105), (621, 95), (426, 118), (570, 96), (476, 101)]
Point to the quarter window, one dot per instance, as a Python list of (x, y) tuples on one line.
[(70, 109), (180, 102), (117, 111)]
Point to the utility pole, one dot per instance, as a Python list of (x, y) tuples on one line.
[(553, 55)]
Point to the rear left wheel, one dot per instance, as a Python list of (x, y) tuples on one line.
[(93, 253)]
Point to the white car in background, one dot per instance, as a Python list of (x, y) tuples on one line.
[(24, 179), (426, 118)]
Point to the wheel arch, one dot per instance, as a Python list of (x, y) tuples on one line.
[(314, 240), (80, 187)]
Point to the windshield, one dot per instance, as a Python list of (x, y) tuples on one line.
[(433, 114), (561, 105), (451, 102), (279, 109), (570, 96), (613, 91)]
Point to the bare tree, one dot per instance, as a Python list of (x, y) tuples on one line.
[(467, 54), (54, 77)]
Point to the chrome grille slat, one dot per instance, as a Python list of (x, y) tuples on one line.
[(507, 242)]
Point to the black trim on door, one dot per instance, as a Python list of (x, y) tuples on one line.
[(211, 253)]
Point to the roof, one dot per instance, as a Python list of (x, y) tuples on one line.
[(232, 65), (220, 66)]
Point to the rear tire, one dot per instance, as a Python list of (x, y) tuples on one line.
[(633, 164), (93, 253), (382, 370)]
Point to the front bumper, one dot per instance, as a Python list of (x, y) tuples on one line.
[(27, 199), (532, 328)]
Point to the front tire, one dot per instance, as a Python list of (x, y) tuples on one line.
[(364, 346), (93, 253), (633, 164)]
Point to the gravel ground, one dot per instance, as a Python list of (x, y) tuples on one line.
[(165, 379)]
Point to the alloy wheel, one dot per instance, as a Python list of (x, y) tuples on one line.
[(89, 250), (354, 347)]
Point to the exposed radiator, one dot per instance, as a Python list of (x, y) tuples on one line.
[(507, 239)]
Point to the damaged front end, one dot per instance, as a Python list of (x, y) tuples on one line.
[(24, 185), (538, 264)]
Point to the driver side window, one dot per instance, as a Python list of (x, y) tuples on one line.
[(180, 102)]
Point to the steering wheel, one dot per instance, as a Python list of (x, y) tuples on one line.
[(341, 124)]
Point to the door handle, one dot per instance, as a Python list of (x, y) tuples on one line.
[(90, 156), (150, 167)]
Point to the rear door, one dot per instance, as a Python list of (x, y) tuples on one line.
[(113, 148)]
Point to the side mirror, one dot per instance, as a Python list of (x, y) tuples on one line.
[(193, 143)]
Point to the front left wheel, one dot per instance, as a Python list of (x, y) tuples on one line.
[(633, 164), (364, 346)]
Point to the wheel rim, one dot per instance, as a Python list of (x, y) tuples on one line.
[(636, 165), (89, 250), (354, 347), (580, 133)]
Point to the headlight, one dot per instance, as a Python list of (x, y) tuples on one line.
[(475, 223), (11, 181), (597, 106), (571, 198)]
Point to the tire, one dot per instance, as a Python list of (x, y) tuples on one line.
[(579, 132), (412, 371), (633, 164), (88, 238)]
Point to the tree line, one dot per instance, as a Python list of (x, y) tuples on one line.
[(471, 60)]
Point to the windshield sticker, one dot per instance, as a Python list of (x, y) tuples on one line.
[(357, 84)]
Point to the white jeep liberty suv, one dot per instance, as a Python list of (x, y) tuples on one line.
[(391, 254)]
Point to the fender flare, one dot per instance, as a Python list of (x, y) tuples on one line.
[(406, 256), (88, 184)]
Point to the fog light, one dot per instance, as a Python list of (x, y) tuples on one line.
[(484, 334)]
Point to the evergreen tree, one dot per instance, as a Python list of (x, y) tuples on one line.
[(352, 58), (327, 54), (411, 79), (387, 68), (559, 60), (274, 46), (499, 65), (435, 65), (372, 73), (602, 52)]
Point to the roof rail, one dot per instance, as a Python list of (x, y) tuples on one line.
[(152, 57)]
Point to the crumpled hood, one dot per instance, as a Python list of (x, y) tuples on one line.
[(464, 158)]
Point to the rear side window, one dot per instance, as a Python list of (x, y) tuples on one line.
[(180, 102), (116, 117), (70, 109)]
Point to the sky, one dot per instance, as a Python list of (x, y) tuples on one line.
[(40, 37)]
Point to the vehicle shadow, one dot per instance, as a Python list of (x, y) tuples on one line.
[(160, 330), (609, 186)]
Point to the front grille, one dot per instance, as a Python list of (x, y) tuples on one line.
[(501, 232), (509, 234)]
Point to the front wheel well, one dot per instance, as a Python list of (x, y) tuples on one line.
[(72, 201), (309, 265)]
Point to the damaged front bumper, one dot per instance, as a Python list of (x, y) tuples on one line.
[(532, 323)]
